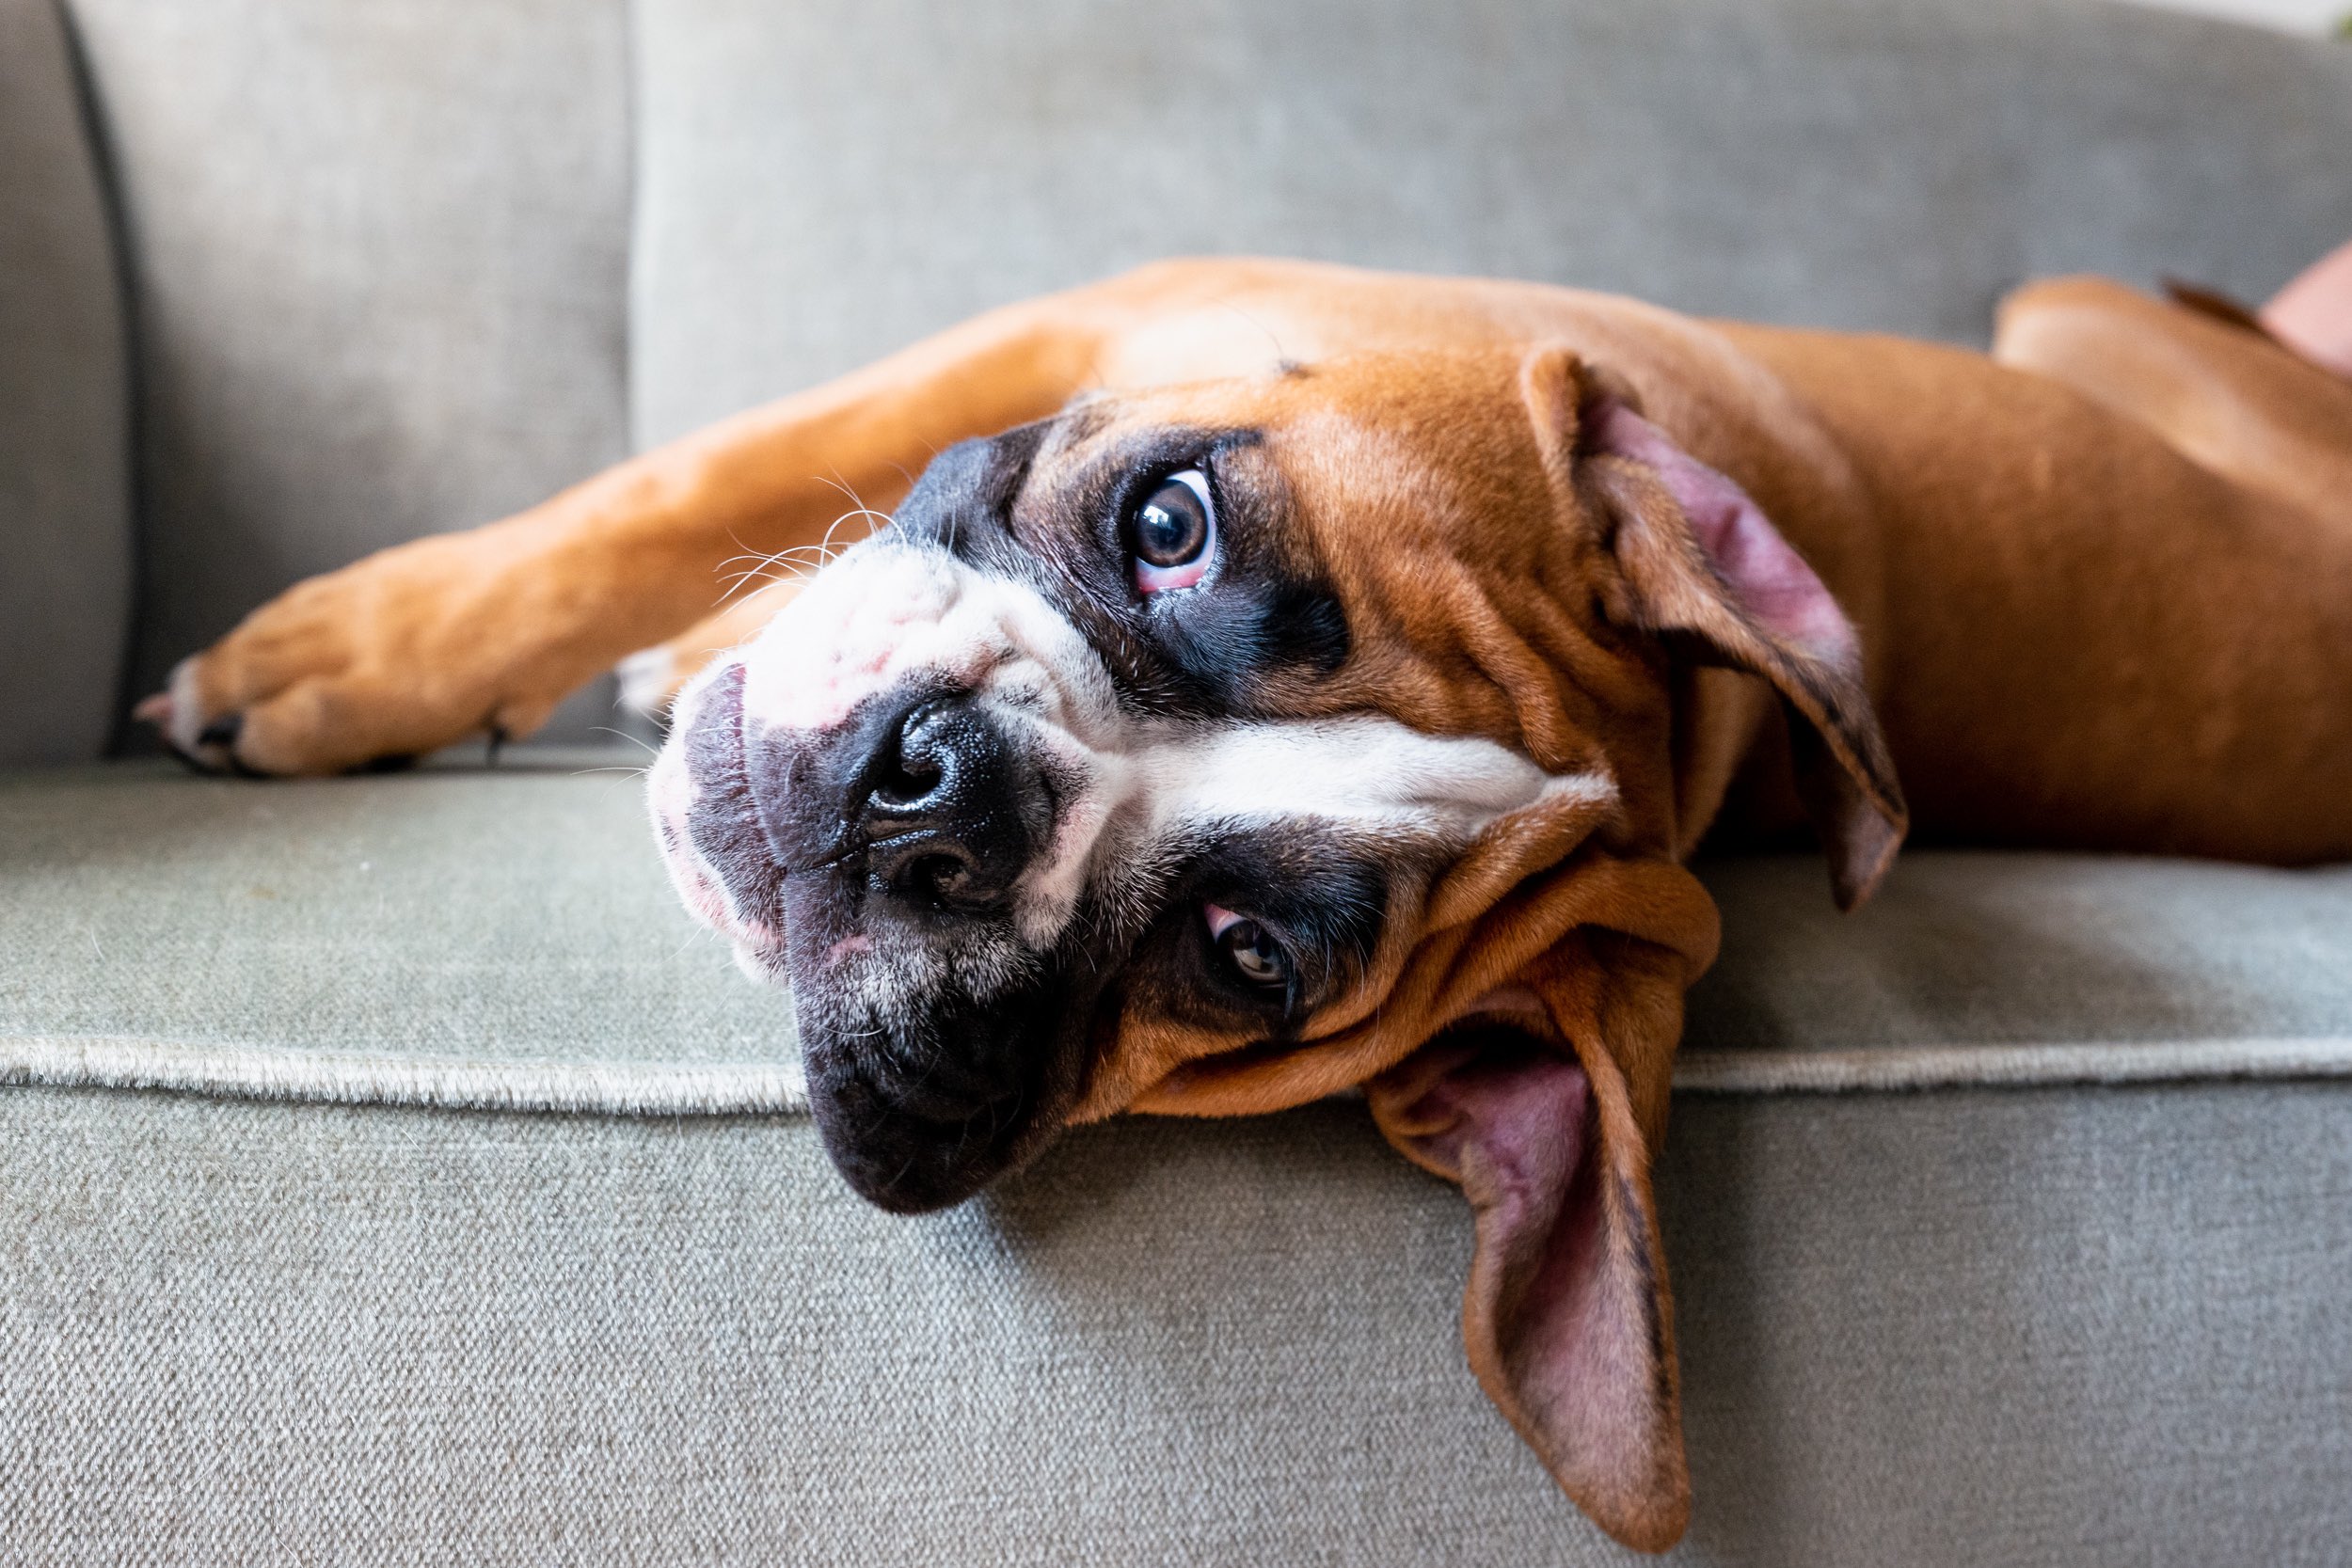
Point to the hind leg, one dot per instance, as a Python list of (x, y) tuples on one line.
[(2314, 314), (2223, 394)]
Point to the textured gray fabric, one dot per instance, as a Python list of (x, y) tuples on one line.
[(508, 938), (518, 916), (2078, 1326), (379, 259), (2061, 1327), (826, 181), (65, 445), (1976, 947)]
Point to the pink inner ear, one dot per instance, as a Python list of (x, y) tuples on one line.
[(1520, 1113), (1523, 1132), (1772, 582), (1564, 1314)]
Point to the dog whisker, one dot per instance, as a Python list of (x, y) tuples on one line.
[(637, 741)]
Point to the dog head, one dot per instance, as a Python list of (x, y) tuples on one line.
[(1216, 748)]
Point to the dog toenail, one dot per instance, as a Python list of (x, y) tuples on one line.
[(222, 731)]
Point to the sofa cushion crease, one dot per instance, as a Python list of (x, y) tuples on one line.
[(443, 1082), (625, 1089), (471, 938)]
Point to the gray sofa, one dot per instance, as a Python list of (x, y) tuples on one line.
[(391, 1174)]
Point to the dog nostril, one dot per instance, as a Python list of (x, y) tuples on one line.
[(914, 768), (948, 808), (935, 872), (947, 879), (904, 790)]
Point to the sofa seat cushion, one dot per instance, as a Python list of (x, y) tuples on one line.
[(1975, 967), (507, 939), (483, 938)]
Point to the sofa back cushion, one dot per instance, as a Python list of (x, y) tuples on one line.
[(378, 264), (65, 470), (410, 266), (827, 180)]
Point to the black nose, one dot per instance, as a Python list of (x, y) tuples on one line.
[(953, 811)]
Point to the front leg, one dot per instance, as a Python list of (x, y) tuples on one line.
[(428, 643)]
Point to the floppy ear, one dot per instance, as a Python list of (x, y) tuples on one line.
[(1567, 1316), (1705, 568)]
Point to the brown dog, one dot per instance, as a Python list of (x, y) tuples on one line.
[(1300, 678)]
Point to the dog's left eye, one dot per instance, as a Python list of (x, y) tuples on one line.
[(1173, 533), (1249, 947)]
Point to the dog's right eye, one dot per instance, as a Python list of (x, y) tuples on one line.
[(1256, 955), (1172, 533)]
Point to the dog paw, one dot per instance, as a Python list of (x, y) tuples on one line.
[(402, 653)]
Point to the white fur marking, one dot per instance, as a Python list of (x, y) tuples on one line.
[(187, 717), (646, 676), (1133, 792)]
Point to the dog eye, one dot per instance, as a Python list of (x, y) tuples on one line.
[(1172, 533), (1249, 947)]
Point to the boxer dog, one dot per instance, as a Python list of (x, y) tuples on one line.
[(1287, 679)]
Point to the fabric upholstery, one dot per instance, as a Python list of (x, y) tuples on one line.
[(519, 916), (2007, 946), (826, 181), (65, 452), (379, 256), (460, 937), (2025, 1327)]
